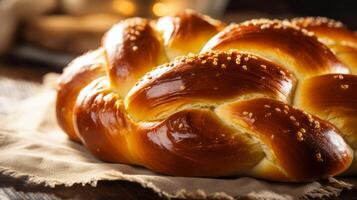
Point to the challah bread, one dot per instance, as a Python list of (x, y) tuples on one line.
[(226, 111)]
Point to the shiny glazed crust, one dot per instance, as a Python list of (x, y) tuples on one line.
[(335, 35), (264, 98)]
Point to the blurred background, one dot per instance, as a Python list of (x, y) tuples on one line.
[(50, 33)]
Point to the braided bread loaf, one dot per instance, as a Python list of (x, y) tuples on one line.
[(264, 98)]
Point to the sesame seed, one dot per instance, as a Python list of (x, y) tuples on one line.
[(263, 66), (296, 123), (181, 125), (286, 111), (266, 106), (246, 58), (229, 58), (267, 115), (203, 61), (345, 87), (282, 72), (303, 130), (223, 66), (264, 26), (215, 63), (292, 118), (245, 67), (237, 61), (245, 113), (277, 109), (318, 157), (339, 76), (272, 136), (317, 124), (286, 131), (135, 48), (132, 38), (299, 136), (182, 87), (250, 115)]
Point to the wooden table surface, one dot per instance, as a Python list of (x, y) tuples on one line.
[(11, 188)]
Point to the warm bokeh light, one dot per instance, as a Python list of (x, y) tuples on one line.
[(124, 7), (160, 9)]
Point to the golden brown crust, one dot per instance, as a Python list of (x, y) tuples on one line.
[(306, 22), (292, 136), (186, 32), (347, 54), (196, 143), (102, 123), (75, 77), (206, 80), (188, 143), (280, 41), (333, 98), (327, 91), (329, 29), (132, 49), (335, 35)]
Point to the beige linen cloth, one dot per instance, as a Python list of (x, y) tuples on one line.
[(33, 147)]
